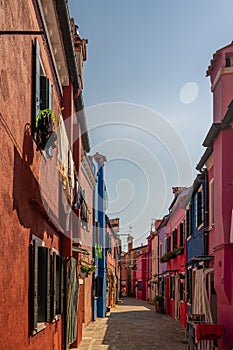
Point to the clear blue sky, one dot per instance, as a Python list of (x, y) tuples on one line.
[(144, 53)]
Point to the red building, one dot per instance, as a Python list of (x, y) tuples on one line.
[(141, 275), (175, 255), (217, 161), (41, 150)]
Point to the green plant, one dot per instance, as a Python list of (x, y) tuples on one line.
[(179, 250), (172, 254), (86, 269), (164, 258)]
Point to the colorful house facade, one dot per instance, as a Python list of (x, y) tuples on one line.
[(175, 255), (39, 175), (217, 161), (99, 237)]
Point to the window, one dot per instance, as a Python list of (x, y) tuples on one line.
[(181, 234), (199, 212), (57, 285), (42, 116), (98, 286), (181, 289), (139, 285), (189, 221), (189, 285), (174, 239), (172, 287), (167, 244), (160, 249), (211, 204), (46, 285), (162, 282)]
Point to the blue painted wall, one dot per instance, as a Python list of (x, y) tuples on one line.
[(195, 243), (99, 216)]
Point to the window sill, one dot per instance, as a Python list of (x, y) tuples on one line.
[(56, 318), (40, 327)]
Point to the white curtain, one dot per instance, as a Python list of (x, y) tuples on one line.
[(201, 304)]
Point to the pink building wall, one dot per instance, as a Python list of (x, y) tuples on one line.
[(141, 275), (176, 265), (219, 238)]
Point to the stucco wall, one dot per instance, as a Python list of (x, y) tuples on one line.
[(19, 181)]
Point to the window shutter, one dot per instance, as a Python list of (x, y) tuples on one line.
[(34, 285), (48, 289), (187, 223), (36, 86), (53, 299), (62, 282), (190, 219), (174, 239), (45, 93), (199, 208), (181, 234), (168, 243), (43, 254), (59, 284)]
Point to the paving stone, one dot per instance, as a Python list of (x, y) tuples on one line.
[(133, 324)]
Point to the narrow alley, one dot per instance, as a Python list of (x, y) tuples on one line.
[(133, 325)]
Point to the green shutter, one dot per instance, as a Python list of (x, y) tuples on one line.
[(62, 282), (36, 86), (43, 254), (72, 287), (37, 77), (48, 284), (34, 285), (45, 90), (53, 307), (58, 284)]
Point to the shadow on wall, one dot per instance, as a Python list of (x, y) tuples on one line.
[(28, 151), (33, 211)]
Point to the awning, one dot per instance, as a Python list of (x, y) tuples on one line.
[(200, 258), (80, 250)]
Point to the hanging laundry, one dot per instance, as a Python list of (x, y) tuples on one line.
[(63, 149), (78, 195), (209, 331), (98, 251)]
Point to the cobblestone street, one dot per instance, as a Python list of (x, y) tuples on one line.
[(132, 325)]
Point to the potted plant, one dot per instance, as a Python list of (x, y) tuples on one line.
[(164, 258), (159, 303), (179, 250), (86, 270), (172, 254)]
